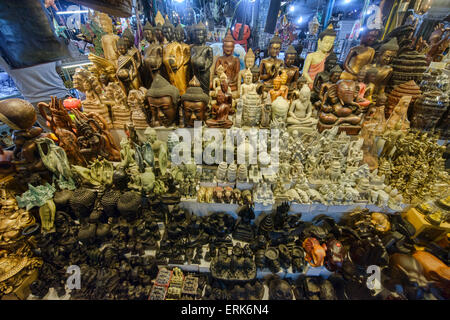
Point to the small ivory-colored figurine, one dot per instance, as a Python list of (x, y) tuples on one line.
[(315, 62), (120, 112), (216, 80), (109, 40), (280, 108), (230, 63), (84, 81), (247, 86), (369, 147), (136, 103), (277, 90), (299, 115), (269, 67), (400, 113), (127, 67), (266, 115), (249, 60), (361, 55), (162, 103), (222, 108), (194, 103)]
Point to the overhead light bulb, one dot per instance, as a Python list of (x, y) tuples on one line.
[(300, 20), (347, 1), (291, 8)]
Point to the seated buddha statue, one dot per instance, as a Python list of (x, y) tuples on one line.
[(346, 113), (277, 90), (269, 67), (328, 90), (361, 55), (249, 60), (292, 71), (324, 76), (299, 115)]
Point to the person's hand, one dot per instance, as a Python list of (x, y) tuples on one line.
[(49, 3)]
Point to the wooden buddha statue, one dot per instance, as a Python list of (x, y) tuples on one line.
[(269, 67), (229, 62)]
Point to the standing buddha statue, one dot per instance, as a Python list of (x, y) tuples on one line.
[(201, 56), (229, 62), (315, 62), (109, 40), (175, 58)]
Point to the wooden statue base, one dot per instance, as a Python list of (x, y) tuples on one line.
[(350, 130)]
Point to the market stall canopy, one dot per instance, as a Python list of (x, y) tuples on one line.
[(118, 8), (26, 35)]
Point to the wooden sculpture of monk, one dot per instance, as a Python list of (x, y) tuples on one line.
[(229, 62)]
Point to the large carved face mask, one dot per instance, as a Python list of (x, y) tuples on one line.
[(163, 110), (193, 111)]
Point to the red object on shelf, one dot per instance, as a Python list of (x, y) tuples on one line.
[(72, 103), (245, 34)]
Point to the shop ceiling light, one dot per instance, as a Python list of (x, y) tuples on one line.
[(300, 20), (291, 8), (72, 12), (347, 1), (179, 1)]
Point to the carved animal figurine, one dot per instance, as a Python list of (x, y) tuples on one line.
[(209, 195), (218, 194), (201, 194), (315, 252)]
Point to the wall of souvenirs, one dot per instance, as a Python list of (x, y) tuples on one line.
[(348, 172)]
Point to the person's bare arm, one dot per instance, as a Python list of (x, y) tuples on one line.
[(50, 3)]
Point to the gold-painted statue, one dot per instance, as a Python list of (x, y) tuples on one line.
[(176, 58), (128, 66), (361, 55), (269, 67)]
